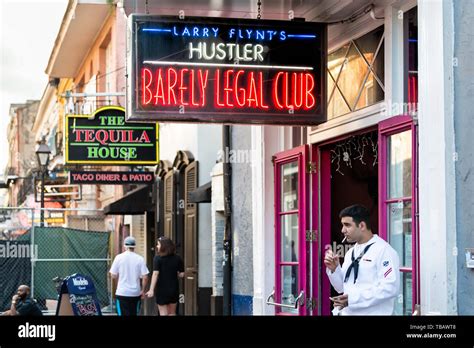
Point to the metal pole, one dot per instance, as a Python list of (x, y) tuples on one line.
[(33, 255), (42, 198), (227, 263)]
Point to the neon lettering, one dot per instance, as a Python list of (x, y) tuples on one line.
[(88, 135), (182, 87), (144, 138), (217, 100), (160, 93), (250, 34), (297, 90), (111, 152), (260, 88), (202, 84), (285, 92), (252, 89), (225, 51), (276, 100), (78, 133), (146, 82), (241, 88), (310, 101), (227, 88), (237, 90), (171, 85), (191, 85)]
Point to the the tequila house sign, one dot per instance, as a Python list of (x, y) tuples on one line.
[(105, 138), (226, 70)]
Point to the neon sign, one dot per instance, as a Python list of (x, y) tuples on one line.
[(105, 138), (226, 71)]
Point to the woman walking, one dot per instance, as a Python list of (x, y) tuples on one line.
[(167, 267)]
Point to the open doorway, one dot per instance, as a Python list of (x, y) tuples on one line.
[(349, 170)]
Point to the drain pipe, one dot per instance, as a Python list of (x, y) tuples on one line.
[(227, 263)]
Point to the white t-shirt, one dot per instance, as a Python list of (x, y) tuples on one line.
[(130, 267)]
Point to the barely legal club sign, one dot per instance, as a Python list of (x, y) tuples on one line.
[(105, 138), (227, 70)]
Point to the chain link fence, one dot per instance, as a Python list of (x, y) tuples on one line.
[(66, 241)]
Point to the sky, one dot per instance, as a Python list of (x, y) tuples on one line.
[(28, 29)]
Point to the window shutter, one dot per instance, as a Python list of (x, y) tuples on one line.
[(191, 241), (169, 205)]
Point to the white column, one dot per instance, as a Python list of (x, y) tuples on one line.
[(394, 64), (436, 158), (260, 289), (266, 141), (217, 229)]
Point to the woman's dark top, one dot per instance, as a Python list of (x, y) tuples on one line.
[(167, 286)]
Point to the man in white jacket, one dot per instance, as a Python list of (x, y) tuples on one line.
[(369, 277)]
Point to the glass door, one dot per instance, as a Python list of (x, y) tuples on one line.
[(398, 208), (291, 223)]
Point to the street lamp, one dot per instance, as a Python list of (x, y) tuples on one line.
[(43, 152)]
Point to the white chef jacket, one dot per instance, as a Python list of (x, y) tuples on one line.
[(377, 283)]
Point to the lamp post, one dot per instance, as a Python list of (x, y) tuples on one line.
[(43, 152)]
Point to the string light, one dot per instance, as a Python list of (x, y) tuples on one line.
[(354, 149)]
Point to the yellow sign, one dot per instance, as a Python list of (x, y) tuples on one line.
[(54, 220)]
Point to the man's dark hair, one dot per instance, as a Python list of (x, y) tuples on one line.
[(358, 213)]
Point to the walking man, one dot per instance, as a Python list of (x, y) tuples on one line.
[(369, 277), (129, 268)]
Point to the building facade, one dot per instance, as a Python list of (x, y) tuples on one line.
[(396, 139), (389, 143), (394, 148), (21, 154)]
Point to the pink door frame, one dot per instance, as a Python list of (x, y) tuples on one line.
[(325, 206), (299, 155), (321, 214), (387, 128)]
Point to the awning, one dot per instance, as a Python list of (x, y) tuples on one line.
[(201, 195), (81, 24), (135, 202)]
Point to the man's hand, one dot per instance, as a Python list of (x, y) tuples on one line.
[(142, 295), (331, 261), (15, 298), (340, 301)]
